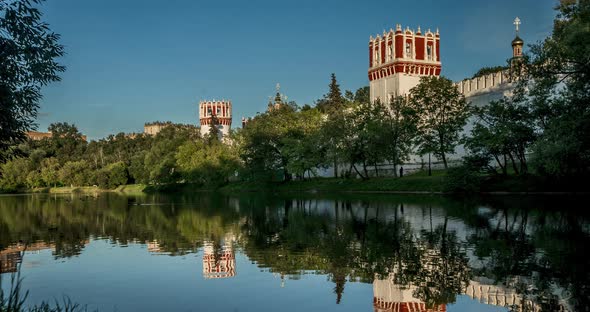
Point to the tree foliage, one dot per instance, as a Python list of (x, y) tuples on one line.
[(560, 92), (443, 113), (28, 54)]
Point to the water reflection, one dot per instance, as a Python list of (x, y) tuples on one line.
[(419, 253)]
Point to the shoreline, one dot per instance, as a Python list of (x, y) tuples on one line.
[(409, 185)]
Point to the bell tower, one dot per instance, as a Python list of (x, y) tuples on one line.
[(398, 58), (517, 43)]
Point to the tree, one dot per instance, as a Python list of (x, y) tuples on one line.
[(214, 132), (14, 174), (332, 101), (74, 173), (442, 113), (332, 104), (362, 95), (504, 128), (400, 124), (50, 171), (28, 53), (210, 163), (264, 141), (488, 70), (66, 142), (560, 92)]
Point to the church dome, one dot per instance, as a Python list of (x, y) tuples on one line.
[(517, 41)]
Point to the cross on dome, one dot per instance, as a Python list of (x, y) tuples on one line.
[(517, 23)]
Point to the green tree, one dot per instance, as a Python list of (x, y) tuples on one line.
[(28, 53), (362, 95), (504, 128), (74, 173), (66, 142), (210, 163), (50, 171), (332, 101), (14, 174), (214, 133), (442, 113), (263, 143), (117, 173), (332, 104), (400, 125), (560, 92)]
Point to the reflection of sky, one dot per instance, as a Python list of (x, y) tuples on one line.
[(108, 277)]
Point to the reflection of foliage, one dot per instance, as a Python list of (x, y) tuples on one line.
[(445, 272), (535, 252)]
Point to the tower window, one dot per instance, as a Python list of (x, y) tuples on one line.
[(408, 50), (429, 52), (391, 52)]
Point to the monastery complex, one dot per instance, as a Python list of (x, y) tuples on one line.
[(398, 59)]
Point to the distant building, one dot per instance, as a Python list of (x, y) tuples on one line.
[(279, 100), (38, 136), (153, 128), (245, 121), (215, 113)]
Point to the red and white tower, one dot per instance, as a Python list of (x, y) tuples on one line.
[(209, 111), (397, 60)]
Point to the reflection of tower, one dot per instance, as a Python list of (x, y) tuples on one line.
[(9, 261), (154, 246), (391, 297), (218, 261), (13, 255)]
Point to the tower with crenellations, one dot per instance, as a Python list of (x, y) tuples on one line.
[(397, 60), (215, 113)]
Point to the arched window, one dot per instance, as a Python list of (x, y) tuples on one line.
[(408, 50), (391, 52), (429, 52)]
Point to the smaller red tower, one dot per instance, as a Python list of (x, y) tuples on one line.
[(209, 111)]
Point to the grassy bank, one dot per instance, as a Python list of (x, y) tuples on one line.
[(127, 189), (416, 183)]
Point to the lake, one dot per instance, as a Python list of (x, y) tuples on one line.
[(264, 252)]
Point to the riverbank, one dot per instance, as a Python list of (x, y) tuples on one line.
[(127, 189), (417, 183)]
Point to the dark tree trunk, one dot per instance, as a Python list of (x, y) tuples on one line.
[(513, 164)]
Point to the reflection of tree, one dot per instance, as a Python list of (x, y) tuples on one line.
[(445, 272), (537, 253)]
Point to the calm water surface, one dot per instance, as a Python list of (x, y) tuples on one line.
[(210, 252)]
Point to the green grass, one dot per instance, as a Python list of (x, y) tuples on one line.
[(416, 183), (131, 188)]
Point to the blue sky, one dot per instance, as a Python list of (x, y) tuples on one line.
[(134, 61)]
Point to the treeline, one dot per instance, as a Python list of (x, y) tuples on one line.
[(176, 154)]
